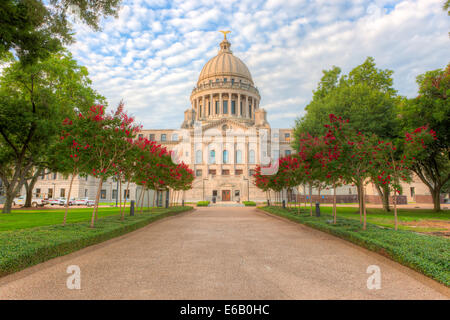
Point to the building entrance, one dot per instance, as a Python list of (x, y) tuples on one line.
[(226, 195)]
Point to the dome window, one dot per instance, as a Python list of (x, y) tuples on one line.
[(224, 80), (232, 81)]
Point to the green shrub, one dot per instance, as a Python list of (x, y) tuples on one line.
[(20, 249), (427, 254), (249, 203), (202, 203)]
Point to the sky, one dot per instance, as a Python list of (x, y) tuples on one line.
[(151, 56)]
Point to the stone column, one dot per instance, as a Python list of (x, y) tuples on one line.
[(239, 105), (211, 103), (204, 107), (246, 107)]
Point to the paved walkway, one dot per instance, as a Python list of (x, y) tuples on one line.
[(221, 253)]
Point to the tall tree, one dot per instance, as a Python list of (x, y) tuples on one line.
[(34, 100), (365, 96), (432, 109)]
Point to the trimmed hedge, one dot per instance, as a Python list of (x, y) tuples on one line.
[(202, 203), (249, 203), (20, 249), (430, 255)]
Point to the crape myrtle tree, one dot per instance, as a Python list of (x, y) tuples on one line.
[(108, 136), (34, 100), (70, 155), (390, 171), (420, 145), (431, 108)]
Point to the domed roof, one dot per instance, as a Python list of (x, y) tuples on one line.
[(225, 64)]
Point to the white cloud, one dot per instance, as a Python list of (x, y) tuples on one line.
[(153, 53)]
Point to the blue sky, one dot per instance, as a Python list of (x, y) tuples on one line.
[(152, 55)]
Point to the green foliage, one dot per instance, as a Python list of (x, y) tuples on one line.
[(202, 203), (35, 28), (431, 108), (20, 249), (34, 100), (429, 255), (365, 96), (249, 203)]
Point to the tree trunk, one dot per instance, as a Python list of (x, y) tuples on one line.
[(8, 203), (364, 206), (125, 200), (68, 198), (29, 188), (360, 201), (97, 198), (119, 195), (436, 194), (395, 209), (310, 200), (334, 202), (383, 192), (141, 198)]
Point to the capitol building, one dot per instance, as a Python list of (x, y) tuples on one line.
[(224, 136)]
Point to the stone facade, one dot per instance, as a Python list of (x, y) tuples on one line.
[(223, 137)]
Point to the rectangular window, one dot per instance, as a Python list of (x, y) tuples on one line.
[(249, 110), (251, 172), (238, 172), (241, 108), (175, 137), (163, 137), (114, 194), (226, 172), (224, 80), (225, 107), (413, 191), (287, 137), (287, 153), (62, 193), (233, 107), (54, 176), (198, 173), (103, 194), (152, 137), (38, 192), (126, 194), (217, 107), (50, 193), (212, 172), (232, 81)]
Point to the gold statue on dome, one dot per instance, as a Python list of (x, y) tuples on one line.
[(225, 34)]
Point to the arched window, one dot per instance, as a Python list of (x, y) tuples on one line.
[(212, 156), (238, 156), (198, 157), (225, 156), (251, 157)]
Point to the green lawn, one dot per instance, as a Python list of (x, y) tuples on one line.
[(427, 254), (386, 219), (22, 219), (22, 248)]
